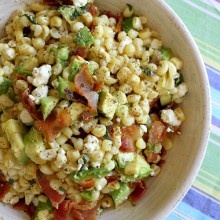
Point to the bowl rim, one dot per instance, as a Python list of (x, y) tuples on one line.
[(175, 200)]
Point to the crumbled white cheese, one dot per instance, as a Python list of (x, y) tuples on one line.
[(80, 3), (168, 116), (124, 43), (39, 93), (41, 75), (181, 91), (25, 117), (91, 143)]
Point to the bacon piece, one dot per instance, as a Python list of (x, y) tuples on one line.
[(4, 186), (110, 15), (29, 209), (66, 211), (58, 2), (98, 86), (30, 106), (73, 96), (137, 194), (92, 27), (93, 10), (86, 185), (119, 24), (21, 77), (157, 132), (112, 178), (80, 51), (84, 84), (53, 195), (152, 157), (86, 116), (54, 123), (129, 135)]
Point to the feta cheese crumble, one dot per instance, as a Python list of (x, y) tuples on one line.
[(170, 117)]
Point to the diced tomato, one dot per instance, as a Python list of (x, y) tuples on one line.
[(157, 132), (138, 193), (53, 195), (80, 51), (86, 116), (84, 84), (30, 106), (98, 86), (29, 209), (93, 10), (129, 136), (54, 123), (87, 184), (4, 186)]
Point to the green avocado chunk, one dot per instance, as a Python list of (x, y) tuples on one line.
[(84, 37), (26, 67), (62, 86), (120, 195), (127, 24), (123, 158), (107, 104), (166, 53), (15, 131), (4, 86), (47, 105), (34, 144)]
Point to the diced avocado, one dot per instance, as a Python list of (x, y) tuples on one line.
[(165, 99), (70, 13), (166, 53), (47, 105), (43, 206), (179, 80), (84, 37), (15, 131), (123, 158), (87, 195), (127, 24), (33, 142), (144, 170), (76, 109), (107, 104), (27, 66), (62, 55), (83, 175), (120, 195), (4, 86), (63, 84), (74, 69)]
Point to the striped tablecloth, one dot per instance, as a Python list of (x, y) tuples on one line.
[(202, 17)]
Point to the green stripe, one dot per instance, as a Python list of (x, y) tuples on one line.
[(198, 22), (211, 160), (215, 137)]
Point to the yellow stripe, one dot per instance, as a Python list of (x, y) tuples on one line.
[(214, 54), (206, 44), (209, 174), (209, 181), (207, 189), (211, 62)]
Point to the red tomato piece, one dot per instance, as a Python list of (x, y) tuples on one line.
[(4, 186)]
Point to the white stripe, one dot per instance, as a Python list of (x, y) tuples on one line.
[(181, 215), (215, 130), (217, 71), (215, 4), (217, 144), (189, 2), (216, 103)]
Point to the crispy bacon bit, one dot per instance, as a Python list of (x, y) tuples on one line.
[(67, 211), (112, 178), (29, 209), (80, 51), (54, 123), (98, 86), (73, 96), (157, 132), (4, 186), (138, 193), (129, 135), (86, 116), (21, 77), (53, 195), (87, 184), (152, 157), (161, 163), (163, 153), (58, 2), (92, 27), (110, 15), (30, 106), (93, 10), (84, 84), (119, 24)]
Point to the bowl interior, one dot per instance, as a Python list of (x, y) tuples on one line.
[(184, 160)]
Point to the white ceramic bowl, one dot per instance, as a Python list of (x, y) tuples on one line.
[(184, 160)]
